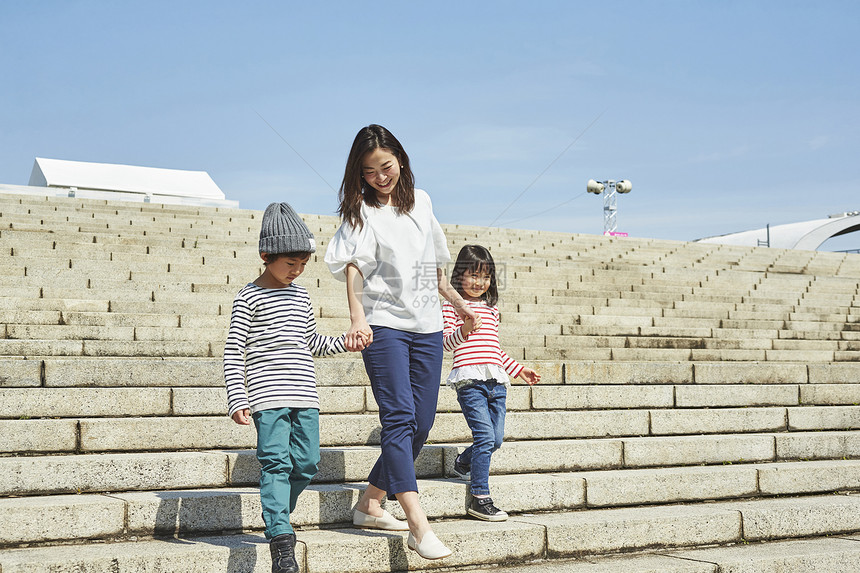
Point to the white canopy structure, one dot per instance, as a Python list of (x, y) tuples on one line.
[(806, 235), (129, 182)]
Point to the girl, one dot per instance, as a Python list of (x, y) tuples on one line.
[(480, 373), (390, 250)]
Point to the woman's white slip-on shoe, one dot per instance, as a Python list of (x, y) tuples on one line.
[(430, 546), (387, 522)]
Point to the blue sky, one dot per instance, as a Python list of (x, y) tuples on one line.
[(725, 115)]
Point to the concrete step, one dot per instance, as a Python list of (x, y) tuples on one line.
[(681, 531), (127, 348), (348, 370), (93, 472), (176, 433)]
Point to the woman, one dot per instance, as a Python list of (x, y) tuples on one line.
[(391, 250)]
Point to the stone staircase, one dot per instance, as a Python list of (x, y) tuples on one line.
[(693, 395)]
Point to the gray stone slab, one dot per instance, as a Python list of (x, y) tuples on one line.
[(628, 373), (147, 349), (213, 401), (824, 418), (69, 332), (114, 472), (693, 450), (84, 402), (518, 398), (10, 347), (577, 354), (17, 372), (129, 372), (736, 344), (800, 355), (755, 373), (834, 373), (628, 529), (22, 316), (35, 436), (652, 354), (809, 477), (343, 370), (550, 455), (668, 485), (830, 394), (575, 424), (163, 433), (158, 333), (635, 563), (358, 551), (726, 355), (120, 319), (717, 420), (767, 519), (736, 395), (818, 445), (337, 464), (60, 517), (796, 556), (233, 554), (192, 511), (584, 397), (30, 300)]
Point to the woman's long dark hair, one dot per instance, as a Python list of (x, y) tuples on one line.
[(475, 258), (354, 190)]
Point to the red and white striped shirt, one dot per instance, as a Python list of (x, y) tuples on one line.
[(480, 347)]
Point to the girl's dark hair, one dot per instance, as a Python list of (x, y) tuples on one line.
[(475, 258), (354, 190)]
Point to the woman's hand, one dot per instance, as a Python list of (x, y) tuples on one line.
[(451, 295), (358, 337), (467, 327), (469, 316)]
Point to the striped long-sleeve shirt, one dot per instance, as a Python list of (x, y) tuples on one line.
[(481, 346), (268, 354)]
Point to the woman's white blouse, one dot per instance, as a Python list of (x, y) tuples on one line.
[(398, 256)]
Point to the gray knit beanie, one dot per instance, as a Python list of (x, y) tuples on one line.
[(283, 231)]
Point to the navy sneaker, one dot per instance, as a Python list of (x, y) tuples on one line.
[(283, 550), (483, 508), (461, 470)]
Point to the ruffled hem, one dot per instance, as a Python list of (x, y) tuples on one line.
[(478, 372)]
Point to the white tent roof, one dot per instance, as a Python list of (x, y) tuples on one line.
[(124, 178), (806, 235)]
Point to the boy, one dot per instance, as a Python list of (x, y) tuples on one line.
[(270, 377)]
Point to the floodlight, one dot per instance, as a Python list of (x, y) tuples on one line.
[(612, 189), (594, 187), (624, 186)]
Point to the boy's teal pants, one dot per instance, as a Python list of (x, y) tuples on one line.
[(288, 448)]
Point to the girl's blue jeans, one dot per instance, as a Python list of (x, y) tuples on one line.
[(483, 405), (288, 448)]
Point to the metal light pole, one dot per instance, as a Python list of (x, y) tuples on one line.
[(610, 189)]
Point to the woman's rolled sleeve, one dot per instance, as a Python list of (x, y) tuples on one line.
[(351, 246)]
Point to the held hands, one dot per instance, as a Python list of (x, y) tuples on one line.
[(469, 325), (471, 320), (530, 376), (358, 337)]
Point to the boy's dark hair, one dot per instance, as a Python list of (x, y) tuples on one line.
[(475, 258), (272, 257)]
